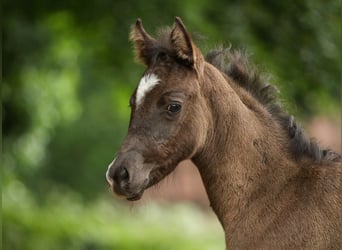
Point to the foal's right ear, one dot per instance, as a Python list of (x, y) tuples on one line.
[(143, 43), (182, 42)]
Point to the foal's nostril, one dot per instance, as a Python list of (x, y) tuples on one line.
[(124, 174), (121, 174)]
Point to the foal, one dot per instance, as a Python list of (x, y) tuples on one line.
[(270, 186)]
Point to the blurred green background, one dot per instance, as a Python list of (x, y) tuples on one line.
[(68, 72)]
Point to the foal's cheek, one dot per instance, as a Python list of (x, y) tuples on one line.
[(163, 130), (160, 136)]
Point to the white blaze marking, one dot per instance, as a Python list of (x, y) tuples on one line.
[(109, 180), (146, 84)]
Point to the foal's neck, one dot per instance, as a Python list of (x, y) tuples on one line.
[(245, 149)]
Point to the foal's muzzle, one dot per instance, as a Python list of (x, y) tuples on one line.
[(126, 176)]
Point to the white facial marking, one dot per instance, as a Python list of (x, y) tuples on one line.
[(109, 180), (146, 84)]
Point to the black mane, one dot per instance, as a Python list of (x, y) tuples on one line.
[(235, 64)]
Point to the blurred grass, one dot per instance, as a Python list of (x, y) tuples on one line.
[(63, 221)]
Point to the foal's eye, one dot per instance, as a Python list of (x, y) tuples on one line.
[(174, 108)]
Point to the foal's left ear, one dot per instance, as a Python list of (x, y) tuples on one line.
[(182, 42), (143, 43)]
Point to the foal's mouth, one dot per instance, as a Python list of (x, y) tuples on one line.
[(127, 194), (135, 197)]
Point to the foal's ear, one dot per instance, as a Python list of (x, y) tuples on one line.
[(182, 42), (143, 43)]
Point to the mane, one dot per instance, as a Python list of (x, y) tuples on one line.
[(235, 64)]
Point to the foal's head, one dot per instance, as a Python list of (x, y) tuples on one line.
[(169, 117)]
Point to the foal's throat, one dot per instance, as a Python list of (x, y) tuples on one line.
[(226, 168)]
